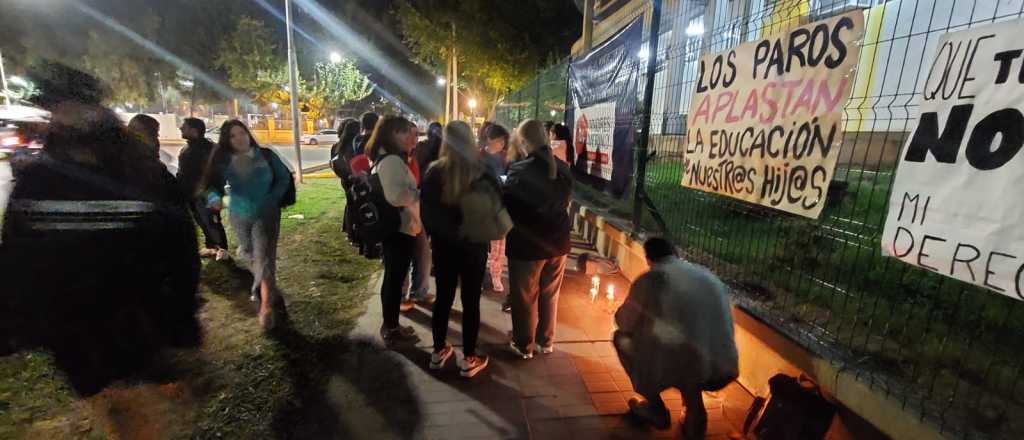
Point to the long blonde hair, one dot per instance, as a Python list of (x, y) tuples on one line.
[(533, 136), (459, 158)]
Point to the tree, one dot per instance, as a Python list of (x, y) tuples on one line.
[(500, 45), (254, 63), (335, 85)]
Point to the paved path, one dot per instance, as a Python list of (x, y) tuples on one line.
[(578, 392)]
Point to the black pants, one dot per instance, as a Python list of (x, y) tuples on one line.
[(209, 222), (454, 262), (346, 221), (398, 250)]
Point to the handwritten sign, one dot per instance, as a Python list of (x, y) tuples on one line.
[(765, 124), (955, 207)]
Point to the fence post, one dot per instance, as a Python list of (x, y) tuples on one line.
[(645, 127)]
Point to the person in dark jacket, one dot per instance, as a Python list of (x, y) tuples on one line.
[(455, 258), (191, 163), (98, 257), (537, 194), (367, 122), (429, 149), (342, 150)]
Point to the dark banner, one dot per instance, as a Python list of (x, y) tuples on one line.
[(603, 97)]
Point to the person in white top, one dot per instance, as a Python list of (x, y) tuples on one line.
[(389, 146), (675, 331)]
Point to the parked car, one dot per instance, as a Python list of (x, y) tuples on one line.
[(327, 137), (22, 129)]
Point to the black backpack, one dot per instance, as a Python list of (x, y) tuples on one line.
[(289, 196), (797, 410), (375, 219)]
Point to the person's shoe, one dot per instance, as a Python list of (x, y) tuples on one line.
[(221, 255), (207, 253), (423, 297), (398, 334), (506, 305), (471, 365), (520, 352), (547, 349), (407, 305), (643, 410), (439, 358), (254, 298)]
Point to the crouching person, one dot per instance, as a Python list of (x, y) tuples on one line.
[(675, 331)]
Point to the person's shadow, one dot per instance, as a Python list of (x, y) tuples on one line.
[(342, 388)]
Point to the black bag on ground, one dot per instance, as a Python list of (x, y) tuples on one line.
[(796, 411), (375, 219)]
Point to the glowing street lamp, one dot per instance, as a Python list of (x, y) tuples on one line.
[(335, 57), (553, 113), (472, 104), (441, 81)]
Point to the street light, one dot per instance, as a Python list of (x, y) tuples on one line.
[(335, 57), (553, 113), (441, 81), (472, 104)]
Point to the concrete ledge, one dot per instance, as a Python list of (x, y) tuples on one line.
[(864, 413)]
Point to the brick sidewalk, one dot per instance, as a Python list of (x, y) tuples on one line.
[(580, 390)]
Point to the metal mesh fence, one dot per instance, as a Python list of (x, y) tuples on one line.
[(942, 348)]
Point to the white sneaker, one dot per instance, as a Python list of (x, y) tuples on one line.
[(471, 365), (439, 358), (547, 349)]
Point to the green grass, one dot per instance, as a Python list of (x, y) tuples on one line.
[(241, 383)]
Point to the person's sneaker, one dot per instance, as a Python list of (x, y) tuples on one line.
[(506, 305), (221, 255), (643, 410), (407, 305), (519, 352), (547, 349), (398, 334), (471, 365), (254, 298), (207, 253), (439, 358), (423, 297)]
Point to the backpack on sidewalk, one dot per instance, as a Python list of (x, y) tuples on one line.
[(375, 219), (797, 410), (484, 217)]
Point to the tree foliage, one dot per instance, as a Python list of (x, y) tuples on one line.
[(500, 45), (334, 86), (253, 62)]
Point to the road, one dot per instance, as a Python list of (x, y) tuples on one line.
[(311, 156)]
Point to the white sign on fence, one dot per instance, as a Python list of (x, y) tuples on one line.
[(956, 207), (595, 137), (765, 123)]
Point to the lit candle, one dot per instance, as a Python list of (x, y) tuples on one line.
[(596, 281), (593, 294), (611, 292)]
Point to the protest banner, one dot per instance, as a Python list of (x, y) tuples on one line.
[(955, 207), (602, 107), (765, 123)]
